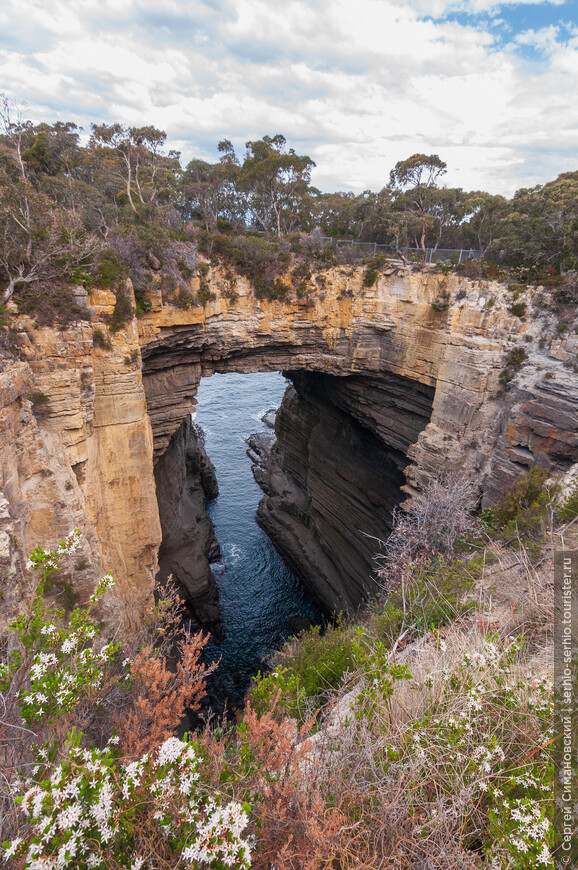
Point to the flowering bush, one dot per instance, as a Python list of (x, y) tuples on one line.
[(465, 762), (90, 806), (60, 661), (347, 757), (94, 811)]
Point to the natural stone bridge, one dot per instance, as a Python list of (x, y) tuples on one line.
[(393, 385)]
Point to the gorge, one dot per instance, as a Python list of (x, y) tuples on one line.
[(393, 384)]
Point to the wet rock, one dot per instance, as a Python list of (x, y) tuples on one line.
[(268, 417), (297, 624), (185, 477)]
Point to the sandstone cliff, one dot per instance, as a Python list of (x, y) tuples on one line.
[(416, 362), (76, 451)]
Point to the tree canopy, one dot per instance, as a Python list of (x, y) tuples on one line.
[(64, 205)]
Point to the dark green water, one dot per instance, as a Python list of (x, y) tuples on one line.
[(258, 592)]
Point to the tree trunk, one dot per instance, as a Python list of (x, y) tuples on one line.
[(422, 239)]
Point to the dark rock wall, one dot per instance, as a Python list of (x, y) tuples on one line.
[(332, 482), (185, 479)]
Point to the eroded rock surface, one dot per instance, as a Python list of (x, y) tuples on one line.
[(185, 478), (85, 458), (332, 482)]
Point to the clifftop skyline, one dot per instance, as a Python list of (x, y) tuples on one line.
[(490, 86)]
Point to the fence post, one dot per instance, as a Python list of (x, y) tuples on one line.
[(374, 248), (460, 259)]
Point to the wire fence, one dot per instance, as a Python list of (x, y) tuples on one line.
[(425, 255)]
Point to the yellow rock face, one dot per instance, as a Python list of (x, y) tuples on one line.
[(85, 458)]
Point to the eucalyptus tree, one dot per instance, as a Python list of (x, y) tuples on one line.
[(133, 158), (277, 183), (541, 228), (411, 182), (42, 234), (484, 215), (212, 190)]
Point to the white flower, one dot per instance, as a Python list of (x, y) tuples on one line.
[(69, 644), (12, 848), (68, 817), (170, 750)]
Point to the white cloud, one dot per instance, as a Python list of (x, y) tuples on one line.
[(357, 84)]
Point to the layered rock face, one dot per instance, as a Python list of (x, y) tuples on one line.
[(416, 363), (185, 479), (76, 452), (331, 483), (85, 458)]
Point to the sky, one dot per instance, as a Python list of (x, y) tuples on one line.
[(489, 86)]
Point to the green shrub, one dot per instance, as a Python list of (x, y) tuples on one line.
[(99, 339), (79, 276), (142, 302), (258, 258), (316, 665), (122, 312), (526, 492), (143, 306), (302, 272), (183, 299), (224, 225), (184, 269), (441, 303), (203, 269), (518, 309), (434, 596), (514, 361), (204, 293), (110, 271), (566, 295), (295, 242), (279, 290), (370, 277), (40, 403), (568, 510), (522, 513), (326, 255)]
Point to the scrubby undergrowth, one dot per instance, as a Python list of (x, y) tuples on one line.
[(419, 736)]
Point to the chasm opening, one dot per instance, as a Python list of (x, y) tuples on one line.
[(261, 600), (327, 489)]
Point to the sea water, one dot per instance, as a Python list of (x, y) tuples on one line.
[(257, 590)]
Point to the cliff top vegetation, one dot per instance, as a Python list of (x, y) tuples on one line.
[(121, 204)]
